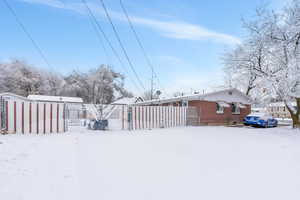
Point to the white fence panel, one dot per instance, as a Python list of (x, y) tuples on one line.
[(149, 117), (28, 117), (19, 117)]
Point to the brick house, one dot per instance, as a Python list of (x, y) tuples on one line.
[(217, 108)]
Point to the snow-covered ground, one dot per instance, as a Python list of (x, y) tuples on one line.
[(168, 164)]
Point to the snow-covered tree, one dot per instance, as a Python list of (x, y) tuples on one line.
[(101, 85), (53, 83), (240, 67), (77, 85), (271, 55), (20, 78), (104, 83)]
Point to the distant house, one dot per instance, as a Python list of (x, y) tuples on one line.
[(279, 110), (222, 107), (56, 99)]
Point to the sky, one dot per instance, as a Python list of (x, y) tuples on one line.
[(184, 40)]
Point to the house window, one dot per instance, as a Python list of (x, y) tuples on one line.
[(220, 109), (235, 109)]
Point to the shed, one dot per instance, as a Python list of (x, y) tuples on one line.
[(26, 116)]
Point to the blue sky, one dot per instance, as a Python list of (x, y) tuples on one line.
[(184, 39)]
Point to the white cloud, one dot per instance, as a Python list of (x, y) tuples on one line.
[(182, 30), (169, 29)]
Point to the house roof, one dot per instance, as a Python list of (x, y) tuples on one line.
[(127, 101), (229, 96), (12, 95), (55, 98)]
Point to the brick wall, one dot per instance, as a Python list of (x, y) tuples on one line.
[(209, 116)]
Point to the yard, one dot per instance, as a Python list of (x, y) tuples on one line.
[(166, 164)]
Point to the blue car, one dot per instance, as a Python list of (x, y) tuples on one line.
[(260, 120)]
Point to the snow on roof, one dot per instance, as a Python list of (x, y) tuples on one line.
[(55, 98), (255, 110), (281, 104), (12, 95), (126, 101), (223, 104), (229, 96)]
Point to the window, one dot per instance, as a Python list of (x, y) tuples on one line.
[(235, 109), (220, 109)]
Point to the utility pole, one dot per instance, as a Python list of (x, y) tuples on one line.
[(152, 83)]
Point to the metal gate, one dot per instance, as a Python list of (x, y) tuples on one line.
[(3, 115), (193, 116)]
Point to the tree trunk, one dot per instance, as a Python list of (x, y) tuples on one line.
[(295, 116), (248, 90), (296, 121)]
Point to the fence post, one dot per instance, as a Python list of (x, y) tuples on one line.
[(65, 117), (129, 118), (3, 123), (122, 118)]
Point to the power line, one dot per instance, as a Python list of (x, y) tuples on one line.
[(121, 45), (153, 73), (108, 41), (96, 30), (39, 50), (100, 38)]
